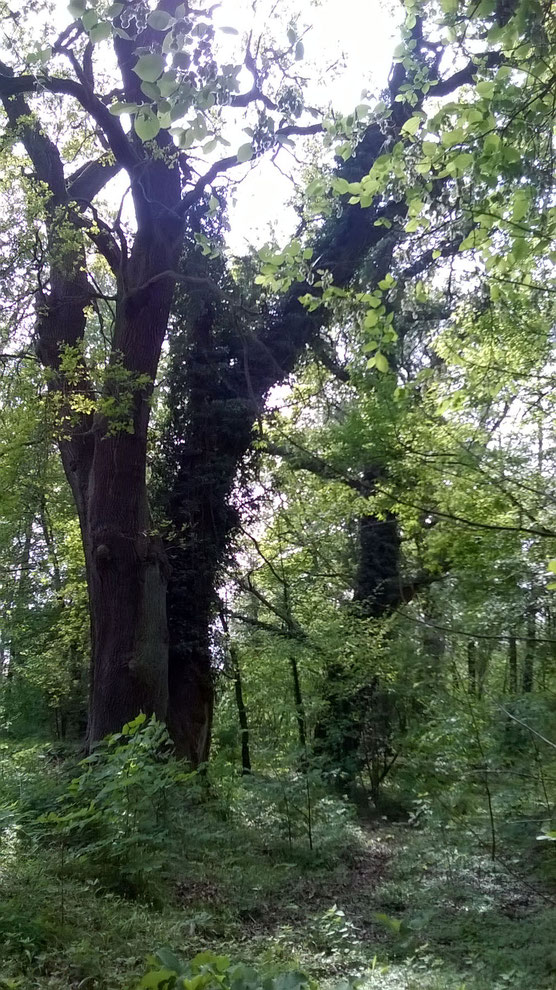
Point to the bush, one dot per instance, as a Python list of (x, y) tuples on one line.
[(116, 816), (208, 971)]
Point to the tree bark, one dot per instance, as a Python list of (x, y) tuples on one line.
[(512, 664), (299, 707), (128, 570), (530, 651), (241, 711), (472, 667)]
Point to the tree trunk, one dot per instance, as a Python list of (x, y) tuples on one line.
[(241, 711), (530, 650), (127, 568), (299, 707), (472, 667), (512, 664)]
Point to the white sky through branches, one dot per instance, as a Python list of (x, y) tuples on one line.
[(348, 50)]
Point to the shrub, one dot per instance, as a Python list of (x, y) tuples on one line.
[(116, 816)]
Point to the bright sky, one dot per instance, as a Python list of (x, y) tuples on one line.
[(360, 33), (355, 36)]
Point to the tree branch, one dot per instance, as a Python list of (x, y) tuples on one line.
[(11, 85)]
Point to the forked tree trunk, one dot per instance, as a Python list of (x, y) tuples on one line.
[(128, 571)]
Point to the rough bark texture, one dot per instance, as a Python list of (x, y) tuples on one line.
[(104, 463)]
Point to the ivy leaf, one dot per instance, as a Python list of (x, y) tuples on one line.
[(149, 68), (381, 363)]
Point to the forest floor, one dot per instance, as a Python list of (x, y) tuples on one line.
[(398, 906)]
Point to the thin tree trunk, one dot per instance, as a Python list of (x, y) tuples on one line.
[(241, 711), (530, 650), (472, 666), (299, 707), (50, 545), (512, 663), (484, 654)]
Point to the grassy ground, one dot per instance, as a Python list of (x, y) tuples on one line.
[(401, 907)]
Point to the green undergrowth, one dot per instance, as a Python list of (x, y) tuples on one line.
[(107, 863)]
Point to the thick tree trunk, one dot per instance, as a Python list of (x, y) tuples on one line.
[(127, 593), (206, 439), (128, 571)]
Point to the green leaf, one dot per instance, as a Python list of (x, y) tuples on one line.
[(151, 90), (100, 32), (299, 51), (156, 979), (485, 88), (228, 30), (146, 125), (42, 56), (169, 959), (149, 68), (114, 9), (341, 186), (119, 108), (381, 363), (245, 153), (89, 19), (160, 20), (168, 83), (411, 126), (77, 8)]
